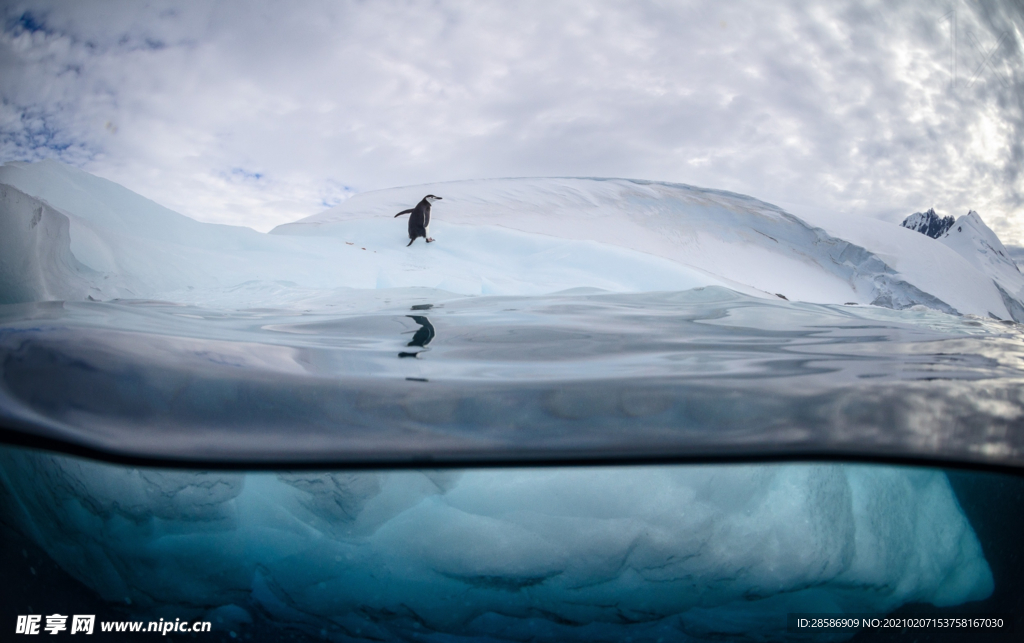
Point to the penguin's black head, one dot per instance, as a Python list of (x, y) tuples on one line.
[(431, 198)]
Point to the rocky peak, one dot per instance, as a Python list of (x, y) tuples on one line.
[(928, 223)]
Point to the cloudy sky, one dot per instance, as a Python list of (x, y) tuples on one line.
[(258, 113)]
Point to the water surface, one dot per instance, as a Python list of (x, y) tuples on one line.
[(411, 376)]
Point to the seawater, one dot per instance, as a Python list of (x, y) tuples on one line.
[(411, 376), (630, 553), (341, 465)]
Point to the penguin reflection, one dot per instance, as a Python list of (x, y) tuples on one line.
[(423, 335)]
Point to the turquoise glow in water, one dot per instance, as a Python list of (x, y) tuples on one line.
[(637, 553)]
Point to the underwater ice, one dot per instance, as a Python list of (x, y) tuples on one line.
[(531, 554), (654, 553)]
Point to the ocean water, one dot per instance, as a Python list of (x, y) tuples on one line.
[(410, 464), (551, 554), (410, 376)]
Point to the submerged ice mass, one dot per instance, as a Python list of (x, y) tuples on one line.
[(652, 553), (553, 319)]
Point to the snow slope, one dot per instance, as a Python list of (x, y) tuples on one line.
[(978, 245), (125, 246), (502, 236), (741, 239), (921, 261)]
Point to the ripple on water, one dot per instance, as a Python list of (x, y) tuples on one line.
[(575, 374)]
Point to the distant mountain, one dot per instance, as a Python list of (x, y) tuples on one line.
[(970, 238), (979, 245), (928, 223)]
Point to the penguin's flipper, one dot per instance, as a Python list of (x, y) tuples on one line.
[(403, 212), (410, 242)]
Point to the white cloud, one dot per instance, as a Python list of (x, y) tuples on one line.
[(259, 113)]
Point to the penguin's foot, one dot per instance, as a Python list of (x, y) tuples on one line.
[(429, 240)]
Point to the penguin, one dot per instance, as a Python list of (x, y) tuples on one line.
[(419, 222)]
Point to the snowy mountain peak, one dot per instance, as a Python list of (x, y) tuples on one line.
[(979, 245), (970, 232), (928, 223)]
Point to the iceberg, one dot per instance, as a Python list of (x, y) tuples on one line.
[(647, 553), (553, 321), (500, 237)]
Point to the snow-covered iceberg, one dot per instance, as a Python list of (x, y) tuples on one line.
[(70, 235), (755, 246), (552, 318)]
